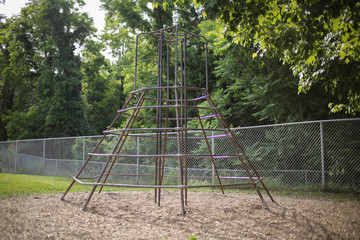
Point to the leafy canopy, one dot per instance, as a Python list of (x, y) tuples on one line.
[(319, 39)]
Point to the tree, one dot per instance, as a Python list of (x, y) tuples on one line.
[(257, 90), (6, 94), (102, 88), (319, 39), (44, 70)]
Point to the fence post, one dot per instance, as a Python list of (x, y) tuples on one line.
[(322, 155), (83, 158), (43, 158), (16, 154), (212, 152), (137, 160)]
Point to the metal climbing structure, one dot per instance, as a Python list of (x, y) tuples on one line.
[(174, 115)]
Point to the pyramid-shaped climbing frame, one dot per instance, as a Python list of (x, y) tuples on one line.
[(177, 144)]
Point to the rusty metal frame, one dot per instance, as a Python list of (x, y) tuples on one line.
[(180, 103)]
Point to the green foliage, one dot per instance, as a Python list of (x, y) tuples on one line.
[(102, 90), (318, 39), (43, 71), (270, 61), (257, 89)]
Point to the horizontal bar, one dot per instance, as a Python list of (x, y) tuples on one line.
[(173, 119), (163, 155), (164, 106), (172, 100), (210, 116), (163, 118), (164, 129), (221, 135), (168, 176), (174, 137), (162, 186), (168, 87), (198, 98)]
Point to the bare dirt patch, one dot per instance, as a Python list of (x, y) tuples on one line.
[(134, 215)]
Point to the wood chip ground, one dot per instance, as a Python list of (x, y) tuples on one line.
[(134, 215)]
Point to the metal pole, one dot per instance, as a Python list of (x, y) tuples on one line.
[(206, 66), (137, 160), (185, 115), (136, 53), (213, 152), (16, 154), (43, 158), (83, 158), (176, 55), (96, 147), (322, 155), (160, 109)]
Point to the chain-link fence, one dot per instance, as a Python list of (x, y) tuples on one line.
[(307, 154)]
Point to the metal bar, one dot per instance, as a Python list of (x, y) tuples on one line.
[(172, 100), (83, 152), (160, 111), (233, 141), (209, 149), (136, 56), (165, 155), (179, 135), (165, 143), (169, 128), (95, 148), (16, 155), (161, 186), (43, 158), (158, 120), (167, 106), (213, 151), (170, 87), (150, 117), (185, 113), (167, 70), (137, 159), (151, 136), (206, 65), (124, 135), (176, 56), (322, 155), (168, 176), (199, 98)]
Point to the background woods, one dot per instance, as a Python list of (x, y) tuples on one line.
[(270, 61)]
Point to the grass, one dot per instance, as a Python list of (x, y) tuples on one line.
[(20, 184)]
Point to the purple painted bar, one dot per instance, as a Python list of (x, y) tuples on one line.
[(256, 178), (224, 156), (199, 98), (209, 116), (216, 136)]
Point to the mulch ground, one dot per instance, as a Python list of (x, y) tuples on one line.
[(134, 215)]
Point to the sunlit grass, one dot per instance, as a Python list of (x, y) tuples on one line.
[(20, 184)]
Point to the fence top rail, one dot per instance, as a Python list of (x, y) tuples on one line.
[(238, 128), (298, 123)]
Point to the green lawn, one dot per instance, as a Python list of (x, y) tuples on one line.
[(20, 184)]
